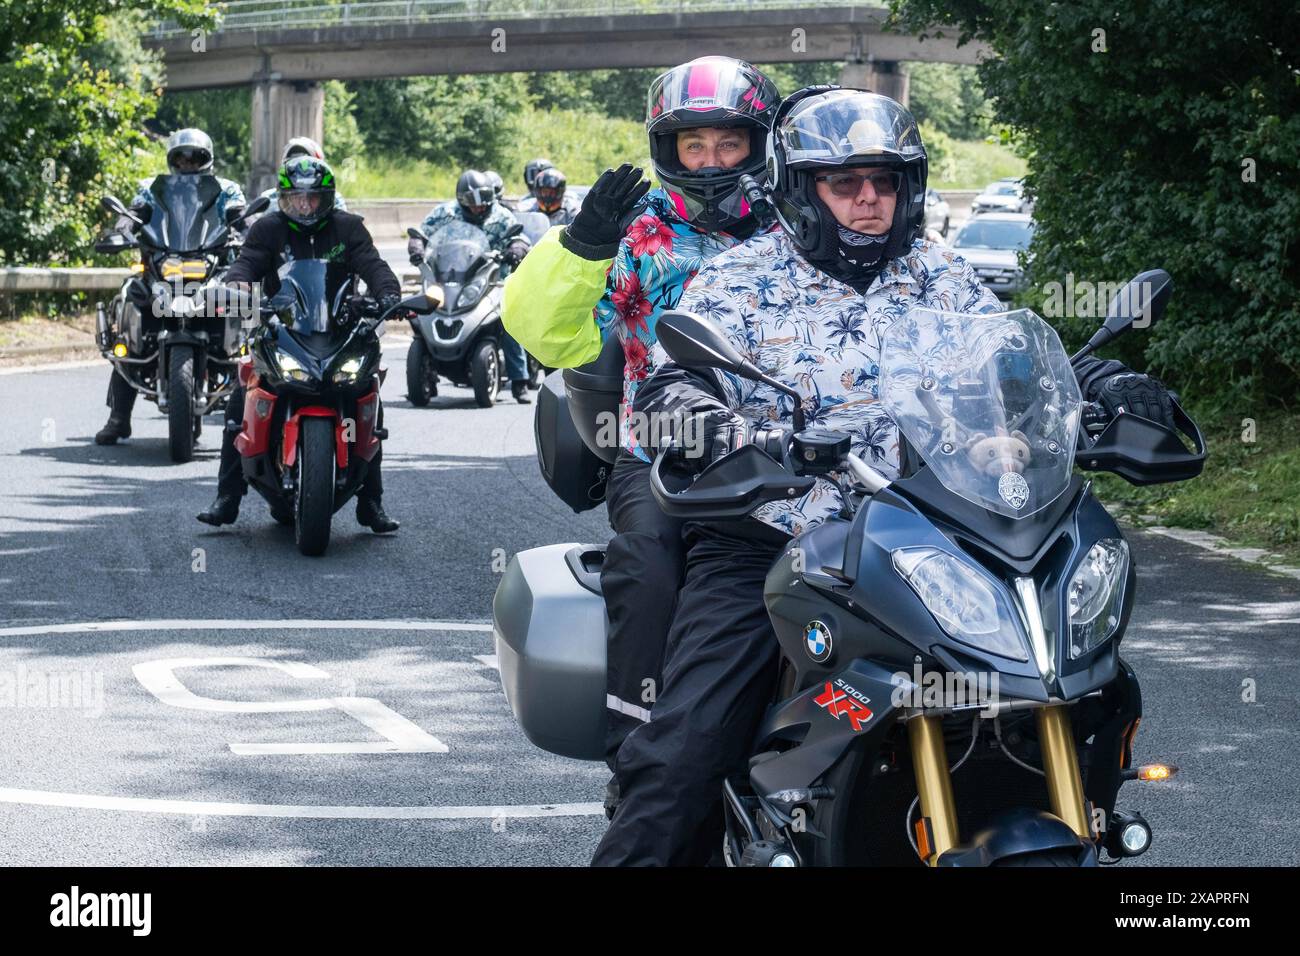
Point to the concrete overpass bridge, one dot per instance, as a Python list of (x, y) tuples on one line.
[(283, 50)]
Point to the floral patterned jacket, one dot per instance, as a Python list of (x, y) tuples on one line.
[(496, 225), (561, 307), (818, 335)]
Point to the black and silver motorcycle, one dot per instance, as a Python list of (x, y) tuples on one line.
[(312, 421), (951, 690), (157, 335), (462, 340)]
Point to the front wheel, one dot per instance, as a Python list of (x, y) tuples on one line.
[(180, 403), (484, 373), (421, 379), (315, 501)]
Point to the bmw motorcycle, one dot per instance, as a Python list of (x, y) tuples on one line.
[(951, 691), (461, 341), (169, 348), (312, 419)]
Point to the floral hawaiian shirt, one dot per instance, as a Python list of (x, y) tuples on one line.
[(820, 336)]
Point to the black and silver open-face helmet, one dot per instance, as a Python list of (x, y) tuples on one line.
[(827, 128), (189, 151), (475, 195)]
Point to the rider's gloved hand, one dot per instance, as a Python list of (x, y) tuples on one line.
[(596, 230), (701, 439), (387, 302), (415, 249), (1118, 389), (514, 252), (1136, 394)]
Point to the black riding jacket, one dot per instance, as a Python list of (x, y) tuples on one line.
[(343, 238)]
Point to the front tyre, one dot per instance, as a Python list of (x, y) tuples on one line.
[(314, 505), (180, 403), (421, 379), (484, 373)]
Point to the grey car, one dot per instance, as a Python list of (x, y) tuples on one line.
[(990, 243), (1005, 195)]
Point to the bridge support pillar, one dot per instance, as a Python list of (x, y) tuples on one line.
[(281, 111), (886, 77)]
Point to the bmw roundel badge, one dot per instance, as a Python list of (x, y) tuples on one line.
[(817, 641)]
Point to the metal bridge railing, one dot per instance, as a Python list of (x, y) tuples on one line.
[(282, 14)]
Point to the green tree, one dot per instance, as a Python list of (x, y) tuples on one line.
[(1159, 133), (226, 115), (75, 95)]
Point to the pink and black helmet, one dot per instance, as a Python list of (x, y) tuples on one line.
[(713, 91)]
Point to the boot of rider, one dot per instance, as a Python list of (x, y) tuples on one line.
[(231, 486), (370, 507), (121, 400)]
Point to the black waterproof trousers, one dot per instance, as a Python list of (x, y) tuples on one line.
[(230, 473), (121, 397), (640, 579), (719, 673)]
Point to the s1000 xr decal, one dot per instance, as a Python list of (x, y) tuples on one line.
[(840, 700)]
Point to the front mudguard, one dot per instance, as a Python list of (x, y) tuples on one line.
[(1019, 832)]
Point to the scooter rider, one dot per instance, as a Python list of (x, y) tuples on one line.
[(549, 198), (625, 257), (306, 226), (476, 203), (808, 303), (189, 153)]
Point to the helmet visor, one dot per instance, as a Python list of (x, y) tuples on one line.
[(712, 88), (189, 159), (306, 206), (843, 126)]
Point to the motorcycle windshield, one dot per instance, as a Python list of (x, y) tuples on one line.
[(535, 225), (185, 216), (307, 289), (989, 401), (454, 249)]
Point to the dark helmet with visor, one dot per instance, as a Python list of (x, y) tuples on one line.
[(549, 188), (531, 169), (713, 91), (189, 151), (306, 192), (475, 195), (498, 184), (829, 128)]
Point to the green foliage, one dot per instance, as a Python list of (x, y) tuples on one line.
[(75, 95), (1167, 139), (949, 97)]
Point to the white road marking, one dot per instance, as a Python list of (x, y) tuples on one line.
[(89, 801), (400, 735), (488, 660), (1213, 542), (92, 627)]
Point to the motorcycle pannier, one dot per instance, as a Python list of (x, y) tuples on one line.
[(550, 626), (568, 466)]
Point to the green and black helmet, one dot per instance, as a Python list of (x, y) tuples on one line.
[(306, 192)]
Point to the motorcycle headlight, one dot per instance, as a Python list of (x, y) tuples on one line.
[(349, 370), (290, 366), (474, 290), (965, 602), (1095, 596)]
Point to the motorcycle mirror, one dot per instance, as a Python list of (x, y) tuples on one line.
[(515, 230), (424, 302), (414, 234), (1141, 303), (114, 205), (693, 342), (258, 205)]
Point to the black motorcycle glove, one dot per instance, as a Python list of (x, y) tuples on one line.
[(515, 252), (415, 249), (1118, 389), (700, 439), (596, 230)]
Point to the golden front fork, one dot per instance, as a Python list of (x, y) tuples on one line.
[(934, 782), (1061, 768), (934, 785)]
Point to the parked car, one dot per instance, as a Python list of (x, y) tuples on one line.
[(1005, 195), (936, 212), (990, 243)]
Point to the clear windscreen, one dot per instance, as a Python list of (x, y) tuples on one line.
[(989, 401), (185, 216), (307, 290), (535, 225), (454, 249)]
